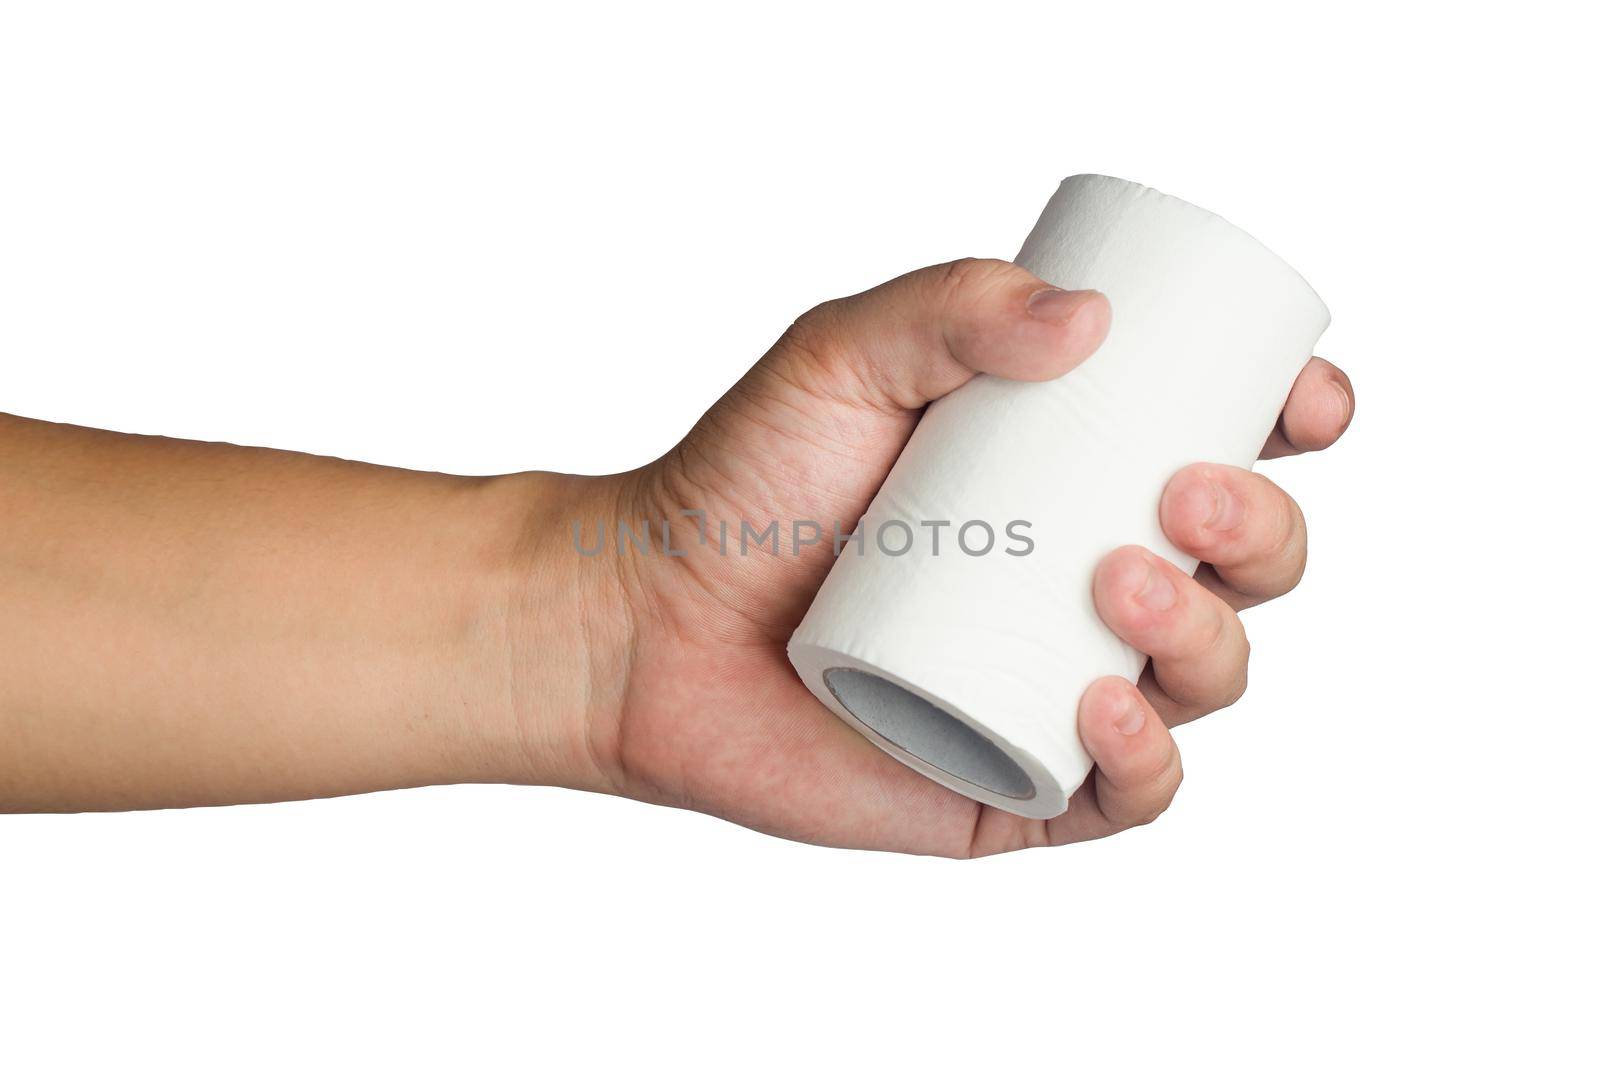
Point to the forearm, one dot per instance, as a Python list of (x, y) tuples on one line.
[(186, 623)]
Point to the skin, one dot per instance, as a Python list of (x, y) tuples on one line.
[(186, 623)]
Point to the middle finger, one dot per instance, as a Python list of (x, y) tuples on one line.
[(1197, 647)]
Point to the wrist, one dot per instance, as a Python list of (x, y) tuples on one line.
[(562, 634)]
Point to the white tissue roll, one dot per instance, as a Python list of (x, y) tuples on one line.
[(969, 668)]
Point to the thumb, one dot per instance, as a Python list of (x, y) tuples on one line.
[(914, 339)]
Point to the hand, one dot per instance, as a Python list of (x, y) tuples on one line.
[(707, 712), (197, 623)]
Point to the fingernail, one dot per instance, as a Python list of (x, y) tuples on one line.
[(1347, 403), (1227, 510), (1057, 305), (1130, 720), (1158, 593)]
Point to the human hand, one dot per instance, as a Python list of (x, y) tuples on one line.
[(695, 704)]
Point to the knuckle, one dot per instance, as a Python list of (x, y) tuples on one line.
[(816, 337), (1238, 682), (1151, 813), (1232, 654), (963, 278), (815, 323), (1276, 539), (1173, 779), (1291, 546), (1211, 637), (1163, 792)]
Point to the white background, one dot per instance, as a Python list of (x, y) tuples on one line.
[(482, 238)]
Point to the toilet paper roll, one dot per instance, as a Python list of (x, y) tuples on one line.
[(968, 665)]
